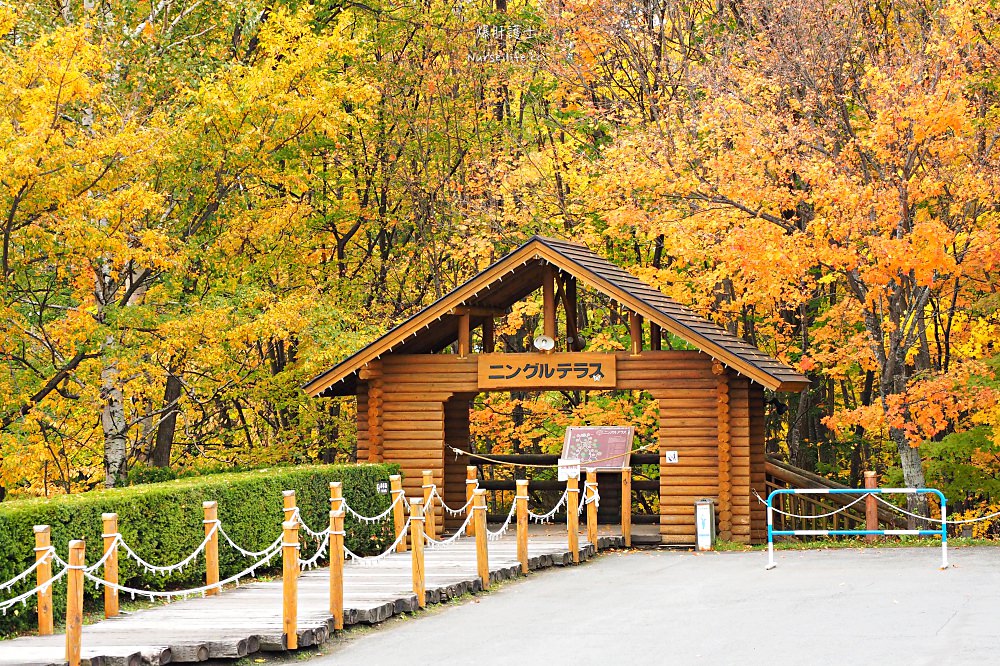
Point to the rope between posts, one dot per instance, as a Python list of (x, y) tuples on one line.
[(23, 597), (243, 551), (437, 543), (584, 464), (297, 517), (149, 566), (820, 515), (543, 517), (49, 552), (498, 534), (451, 511), (155, 594), (375, 559), (590, 498), (381, 516), (311, 562), (107, 553), (937, 520)]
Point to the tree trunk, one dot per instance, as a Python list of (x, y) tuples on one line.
[(913, 476), (114, 425), (168, 423)]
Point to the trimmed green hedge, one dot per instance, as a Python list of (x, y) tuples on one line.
[(162, 522)]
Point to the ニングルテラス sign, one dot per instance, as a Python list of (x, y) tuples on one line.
[(578, 370)]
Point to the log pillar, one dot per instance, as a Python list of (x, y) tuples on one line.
[(372, 373), (725, 499), (549, 302), (464, 334), (635, 332)]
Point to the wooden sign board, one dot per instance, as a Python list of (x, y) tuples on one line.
[(578, 370), (601, 448)]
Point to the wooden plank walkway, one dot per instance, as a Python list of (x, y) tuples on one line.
[(247, 619)]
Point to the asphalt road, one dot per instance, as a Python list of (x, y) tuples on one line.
[(878, 606)]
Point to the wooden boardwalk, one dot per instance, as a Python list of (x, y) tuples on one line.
[(247, 619)]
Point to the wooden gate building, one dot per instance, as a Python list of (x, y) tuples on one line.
[(413, 400)]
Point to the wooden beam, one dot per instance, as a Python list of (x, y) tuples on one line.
[(655, 336), (478, 311), (635, 330), (570, 302), (464, 334), (549, 302), (489, 336)]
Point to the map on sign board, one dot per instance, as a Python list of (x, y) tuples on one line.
[(602, 448)]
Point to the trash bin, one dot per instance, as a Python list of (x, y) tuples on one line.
[(704, 521)]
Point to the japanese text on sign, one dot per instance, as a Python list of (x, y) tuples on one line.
[(567, 370)]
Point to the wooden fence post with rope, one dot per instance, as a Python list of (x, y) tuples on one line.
[(211, 521), (43, 574), (430, 524), (471, 483), (398, 510), (417, 543), (482, 552), (573, 516), (337, 554), (290, 582), (289, 507), (521, 497), (627, 506), (110, 525), (74, 601), (871, 508), (589, 497)]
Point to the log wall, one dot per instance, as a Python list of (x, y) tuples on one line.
[(425, 402), (758, 464)]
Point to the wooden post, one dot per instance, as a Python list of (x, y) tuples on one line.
[(549, 302), (591, 489), (110, 536), (627, 506), (635, 332), (464, 334), (573, 516), (482, 553), (398, 520), (655, 337), (570, 303), (521, 497), (211, 510), (43, 574), (337, 553), (471, 483), (489, 336), (871, 508), (290, 583), (428, 486), (289, 507), (417, 541), (74, 601)]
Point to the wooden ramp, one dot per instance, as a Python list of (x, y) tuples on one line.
[(248, 619)]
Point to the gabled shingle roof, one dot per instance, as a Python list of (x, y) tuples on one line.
[(431, 330)]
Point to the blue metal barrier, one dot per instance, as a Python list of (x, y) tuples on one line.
[(771, 532)]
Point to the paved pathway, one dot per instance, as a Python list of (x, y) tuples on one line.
[(242, 621), (878, 606)]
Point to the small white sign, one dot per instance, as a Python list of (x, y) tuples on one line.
[(669, 457), (569, 468)]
